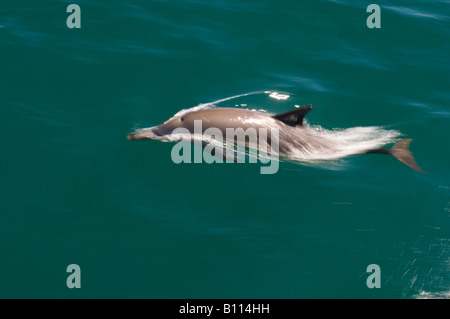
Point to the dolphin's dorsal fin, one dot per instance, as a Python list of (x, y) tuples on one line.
[(294, 117)]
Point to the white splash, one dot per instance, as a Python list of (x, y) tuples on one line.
[(432, 295), (192, 109), (345, 142), (279, 96)]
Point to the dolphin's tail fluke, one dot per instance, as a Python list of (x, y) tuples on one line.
[(401, 152)]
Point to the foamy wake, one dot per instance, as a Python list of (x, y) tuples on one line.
[(346, 142)]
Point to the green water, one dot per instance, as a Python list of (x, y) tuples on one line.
[(73, 190)]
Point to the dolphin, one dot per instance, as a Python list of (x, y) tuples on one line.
[(294, 135)]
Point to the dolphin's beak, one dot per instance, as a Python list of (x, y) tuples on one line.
[(143, 134)]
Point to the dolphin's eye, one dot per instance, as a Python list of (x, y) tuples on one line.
[(182, 119)]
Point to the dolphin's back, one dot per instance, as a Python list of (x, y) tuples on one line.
[(223, 118)]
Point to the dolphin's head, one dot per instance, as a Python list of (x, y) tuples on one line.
[(164, 130)]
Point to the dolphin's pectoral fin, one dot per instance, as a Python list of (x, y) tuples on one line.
[(294, 117)]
